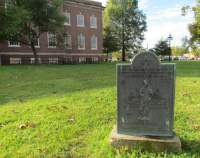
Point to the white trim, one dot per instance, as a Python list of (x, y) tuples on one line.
[(82, 59), (68, 35), (48, 41), (13, 60), (80, 39), (32, 61), (38, 46), (77, 22), (91, 44), (93, 26), (13, 46), (53, 60), (68, 15)]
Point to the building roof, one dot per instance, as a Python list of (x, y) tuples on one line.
[(88, 2)]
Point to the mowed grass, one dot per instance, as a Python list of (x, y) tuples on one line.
[(68, 111)]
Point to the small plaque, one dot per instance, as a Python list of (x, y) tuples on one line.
[(146, 91)]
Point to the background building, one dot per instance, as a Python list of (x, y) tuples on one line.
[(83, 42)]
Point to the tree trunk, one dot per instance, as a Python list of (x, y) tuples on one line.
[(123, 53), (34, 53)]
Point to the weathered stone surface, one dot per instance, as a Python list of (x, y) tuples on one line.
[(146, 91), (152, 144)]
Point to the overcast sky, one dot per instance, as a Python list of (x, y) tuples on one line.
[(164, 18)]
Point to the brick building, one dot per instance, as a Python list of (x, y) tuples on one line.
[(83, 43)]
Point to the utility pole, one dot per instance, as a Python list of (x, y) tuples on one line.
[(170, 38)]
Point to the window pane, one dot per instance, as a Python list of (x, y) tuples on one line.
[(93, 22), (68, 20), (81, 41), (80, 20), (52, 40), (68, 41), (13, 43), (94, 42)]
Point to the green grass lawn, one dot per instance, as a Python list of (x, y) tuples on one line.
[(68, 111)]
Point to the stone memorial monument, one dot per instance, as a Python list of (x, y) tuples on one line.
[(145, 105)]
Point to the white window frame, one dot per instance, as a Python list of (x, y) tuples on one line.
[(93, 25), (77, 20), (53, 60), (96, 42), (38, 42), (38, 46), (82, 59), (68, 36), (14, 61), (68, 22), (81, 35), (32, 60), (13, 45), (48, 36), (95, 59), (68, 60)]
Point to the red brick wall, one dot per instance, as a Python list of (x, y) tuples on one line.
[(74, 8)]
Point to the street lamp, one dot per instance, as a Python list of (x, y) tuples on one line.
[(170, 38)]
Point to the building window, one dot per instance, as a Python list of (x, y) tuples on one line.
[(68, 19), (82, 59), (68, 60), (80, 20), (93, 22), (53, 60), (52, 42), (81, 41), (32, 61), (95, 59), (68, 41), (37, 42), (13, 44), (94, 43), (15, 60)]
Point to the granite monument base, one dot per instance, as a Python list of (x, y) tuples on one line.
[(151, 144)]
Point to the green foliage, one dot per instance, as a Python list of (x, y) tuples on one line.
[(162, 48), (126, 23), (116, 55), (194, 28), (24, 21), (179, 51), (196, 51), (50, 111), (110, 42)]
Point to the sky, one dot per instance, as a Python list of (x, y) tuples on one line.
[(164, 18)]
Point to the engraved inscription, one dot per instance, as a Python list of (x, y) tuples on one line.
[(146, 96)]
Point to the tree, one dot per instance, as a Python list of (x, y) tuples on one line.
[(126, 24), (24, 21), (179, 51), (162, 48), (194, 28), (109, 41), (196, 51)]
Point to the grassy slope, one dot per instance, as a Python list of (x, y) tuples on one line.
[(69, 111)]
